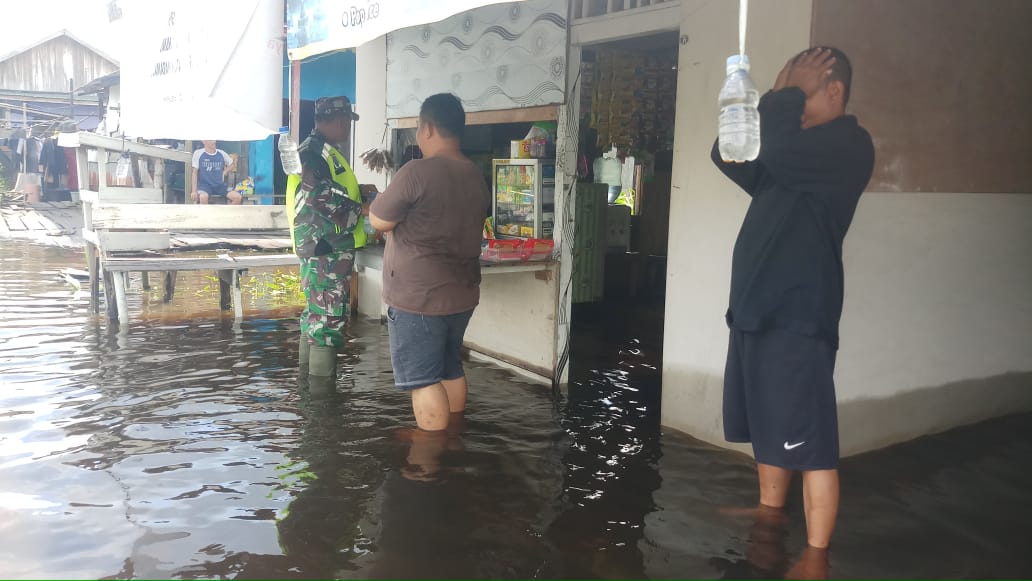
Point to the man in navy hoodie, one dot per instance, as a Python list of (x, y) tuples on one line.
[(787, 283)]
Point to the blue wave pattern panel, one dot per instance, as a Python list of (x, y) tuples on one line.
[(501, 56)]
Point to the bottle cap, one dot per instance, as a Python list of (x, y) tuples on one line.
[(737, 61), (284, 129)]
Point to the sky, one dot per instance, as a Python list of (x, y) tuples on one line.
[(86, 19)]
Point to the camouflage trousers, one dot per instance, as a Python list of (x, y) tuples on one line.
[(326, 281)]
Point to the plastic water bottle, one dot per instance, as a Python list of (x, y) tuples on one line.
[(288, 153), (739, 119), (367, 226)]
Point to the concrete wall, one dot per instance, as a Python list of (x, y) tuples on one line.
[(370, 104), (937, 327), (515, 321)]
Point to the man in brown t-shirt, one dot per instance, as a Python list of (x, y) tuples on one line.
[(434, 209)]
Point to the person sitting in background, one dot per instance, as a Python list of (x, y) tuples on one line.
[(210, 167)]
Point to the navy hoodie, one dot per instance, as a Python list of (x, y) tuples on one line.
[(786, 272)]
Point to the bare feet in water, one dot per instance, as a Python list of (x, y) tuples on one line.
[(760, 512), (812, 564)]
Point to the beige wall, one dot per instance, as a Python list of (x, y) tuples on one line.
[(937, 327)]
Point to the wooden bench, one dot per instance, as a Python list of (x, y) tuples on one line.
[(148, 237)]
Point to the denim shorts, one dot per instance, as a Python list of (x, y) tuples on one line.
[(425, 349)]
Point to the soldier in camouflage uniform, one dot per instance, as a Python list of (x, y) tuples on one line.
[(327, 219)]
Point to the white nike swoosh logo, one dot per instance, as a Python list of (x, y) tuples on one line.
[(793, 446)]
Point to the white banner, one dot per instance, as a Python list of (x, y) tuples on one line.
[(318, 26), (201, 69)]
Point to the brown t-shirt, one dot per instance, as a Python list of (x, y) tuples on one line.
[(432, 261)]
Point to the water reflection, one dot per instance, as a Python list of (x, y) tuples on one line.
[(183, 447)]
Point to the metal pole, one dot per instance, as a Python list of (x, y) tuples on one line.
[(295, 100), (71, 99)]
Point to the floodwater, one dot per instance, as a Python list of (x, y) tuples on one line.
[(184, 448)]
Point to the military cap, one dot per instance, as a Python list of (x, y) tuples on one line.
[(331, 106)]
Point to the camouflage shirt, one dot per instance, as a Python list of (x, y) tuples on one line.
[(324, 215)]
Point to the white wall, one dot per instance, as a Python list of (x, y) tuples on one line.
[(937, 325), (371, 105)]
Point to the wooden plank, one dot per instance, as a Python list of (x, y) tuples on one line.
[(118, 144), (522, 115), (189, 217), (125, 195), (141, 263), (67, 219), (48, 224), (31, 221), (248, 240), (14, 222), (132, 241)]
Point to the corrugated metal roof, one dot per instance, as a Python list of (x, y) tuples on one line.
[(100, 83)]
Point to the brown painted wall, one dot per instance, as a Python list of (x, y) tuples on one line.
[(943, 87)]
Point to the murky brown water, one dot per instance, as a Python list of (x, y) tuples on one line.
[(184, 448)]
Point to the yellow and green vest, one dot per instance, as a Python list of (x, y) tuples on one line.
[(345, 179)]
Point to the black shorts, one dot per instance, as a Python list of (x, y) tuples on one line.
[(779, 394)]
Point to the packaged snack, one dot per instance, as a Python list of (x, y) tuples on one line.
[(535, 249), (496, 250)]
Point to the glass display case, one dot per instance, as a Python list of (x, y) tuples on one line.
[(524, 197)]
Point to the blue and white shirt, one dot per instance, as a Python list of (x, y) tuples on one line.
[(210, 169)]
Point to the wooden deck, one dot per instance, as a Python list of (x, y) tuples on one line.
[(49, 223), (60, 224)]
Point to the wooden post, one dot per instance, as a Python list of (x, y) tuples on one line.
[(188, 174), (225, 283), (102, 159), (82, 168), (353, 306), (123, 306), (93, 264), (170, 286), (238, 303), (145, 279), (110, 303)]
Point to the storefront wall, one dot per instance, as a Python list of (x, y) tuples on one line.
[(937, 325), (516, 320)]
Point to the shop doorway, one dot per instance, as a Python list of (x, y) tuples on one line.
[(628, 96)]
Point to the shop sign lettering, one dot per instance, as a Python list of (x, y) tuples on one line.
[(358, 15)]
